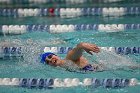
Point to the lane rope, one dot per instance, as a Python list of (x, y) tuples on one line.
[(69, 12), (21, 29), (18, 52), (68, 82), (57, 1)]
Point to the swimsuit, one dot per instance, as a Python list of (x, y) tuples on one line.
[(70, 66), (89, 67)]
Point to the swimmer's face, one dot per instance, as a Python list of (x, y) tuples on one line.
[(53, 60)]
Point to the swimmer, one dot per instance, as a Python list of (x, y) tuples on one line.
[(75, 56), (75, 59)]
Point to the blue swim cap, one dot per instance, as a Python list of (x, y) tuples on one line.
[(43, 56)]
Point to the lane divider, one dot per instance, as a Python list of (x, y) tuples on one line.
[(68, 82), (21, 29), (70, 12), (118, 50), (18, 52), (11, 52), (56, 1)]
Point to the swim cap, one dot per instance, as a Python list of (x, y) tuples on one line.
[(43, 56)]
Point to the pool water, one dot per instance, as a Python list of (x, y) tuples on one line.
[(30, 67)]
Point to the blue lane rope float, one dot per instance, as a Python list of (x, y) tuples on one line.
[(51, 83), (11, 52), (69, 12), (17, 52), (21, 29)]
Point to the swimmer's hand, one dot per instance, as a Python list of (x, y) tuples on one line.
[(76, 53), (89, 48)]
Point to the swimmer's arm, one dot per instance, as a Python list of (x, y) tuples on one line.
[(76, 53)]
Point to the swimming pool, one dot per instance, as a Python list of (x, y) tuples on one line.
[(33, 43)]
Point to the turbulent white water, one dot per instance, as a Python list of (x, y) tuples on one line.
[(113, 60), (30, 48)]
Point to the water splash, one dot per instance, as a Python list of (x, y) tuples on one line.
[(114, 61), (31, 49)]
